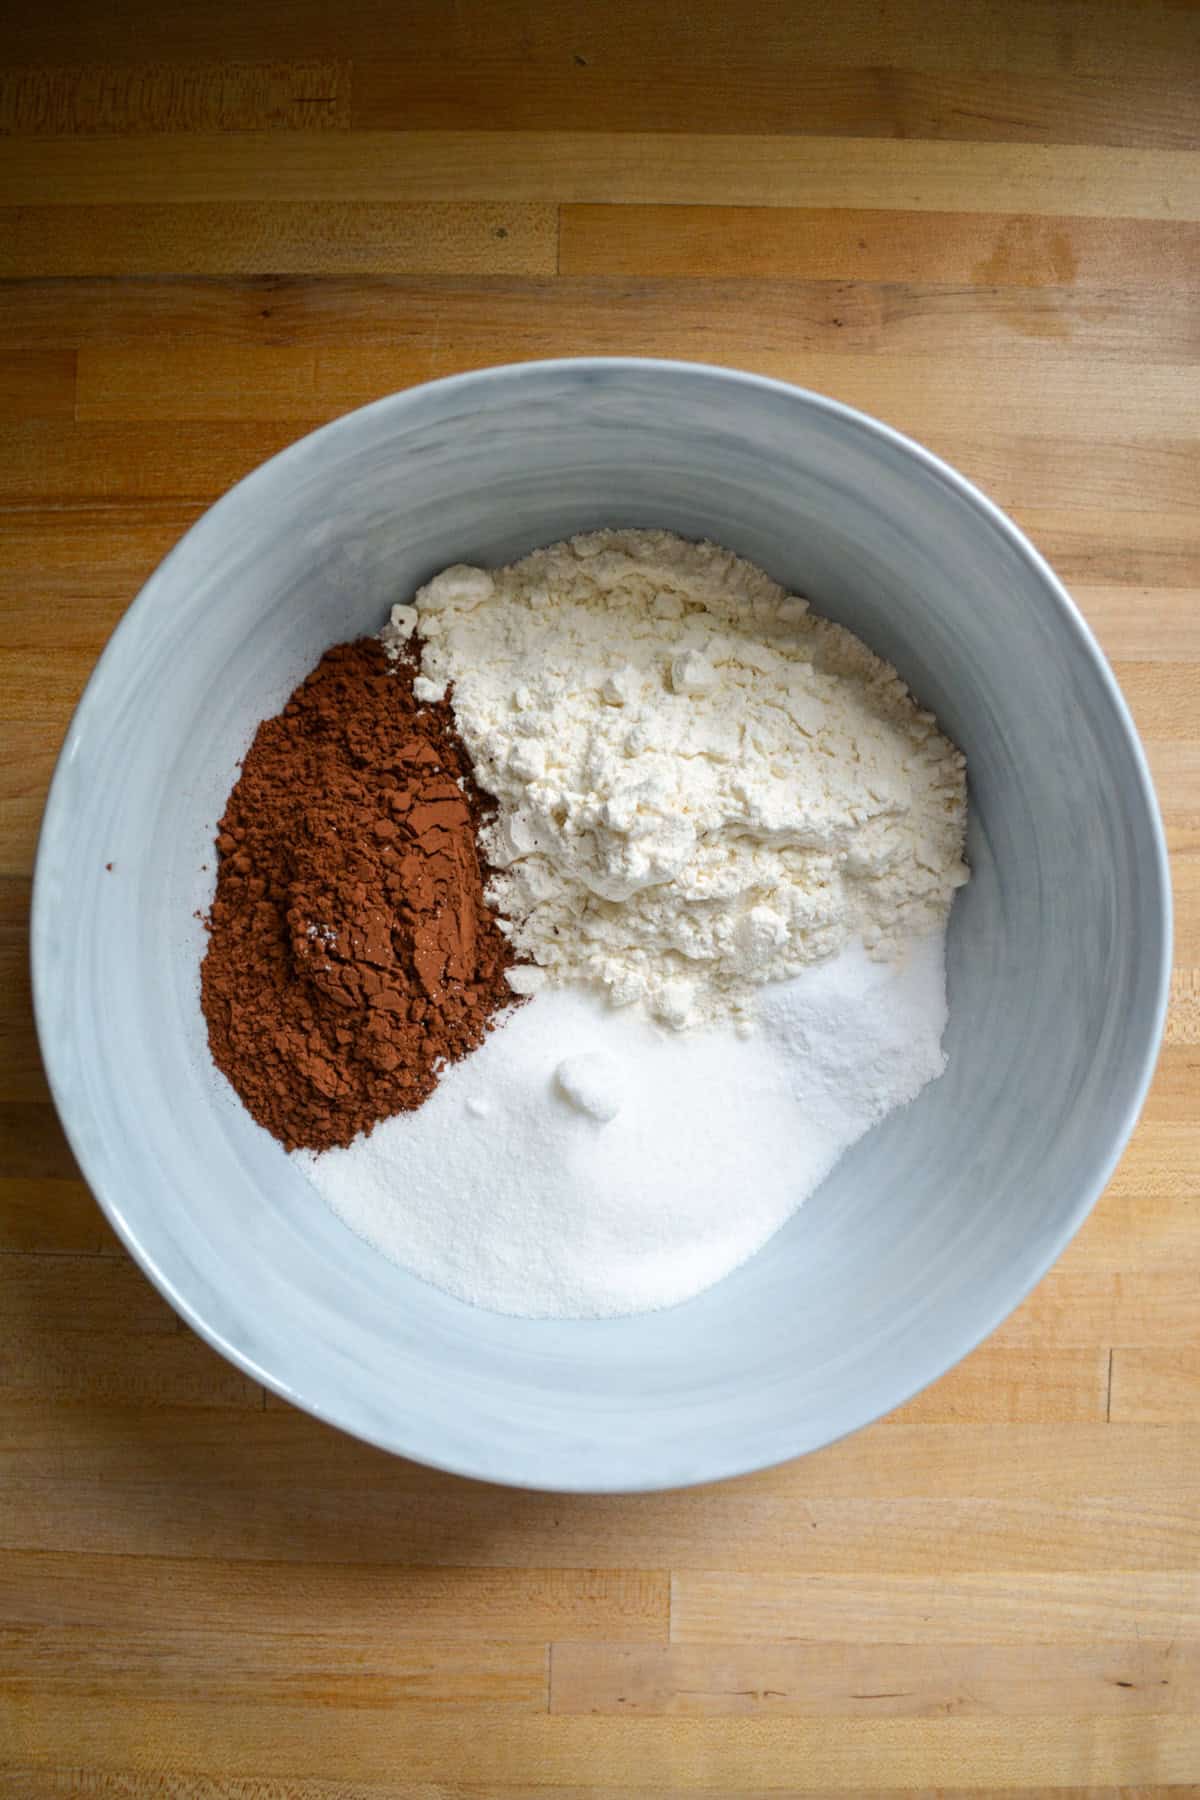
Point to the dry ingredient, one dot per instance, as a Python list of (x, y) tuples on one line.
[(351, 954), (717, 808), (585, 1163), (701, 786), (698, 802)]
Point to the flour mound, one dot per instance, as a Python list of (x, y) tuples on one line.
[(701, 786)]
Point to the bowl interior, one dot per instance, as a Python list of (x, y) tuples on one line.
[(926, 1234)]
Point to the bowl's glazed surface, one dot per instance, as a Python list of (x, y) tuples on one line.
[(926, 1235)]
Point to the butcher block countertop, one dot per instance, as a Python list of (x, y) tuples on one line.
[(223, 224)]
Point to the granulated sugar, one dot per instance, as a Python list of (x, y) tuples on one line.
[(586, 1163)]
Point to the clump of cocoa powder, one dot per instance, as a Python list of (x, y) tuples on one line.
[(351, 952)]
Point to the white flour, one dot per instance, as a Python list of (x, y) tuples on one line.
[(586, 1163), (702, 788)]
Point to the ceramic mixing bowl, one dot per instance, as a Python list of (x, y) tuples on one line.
[(928, 1233)]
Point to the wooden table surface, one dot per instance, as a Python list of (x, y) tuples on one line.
[(222, 225)]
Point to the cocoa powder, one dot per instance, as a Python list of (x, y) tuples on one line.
[(351, 952)]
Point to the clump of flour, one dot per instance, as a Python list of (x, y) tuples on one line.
[(701, 787)]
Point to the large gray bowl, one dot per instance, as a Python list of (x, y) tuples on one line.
[(926, 1235)]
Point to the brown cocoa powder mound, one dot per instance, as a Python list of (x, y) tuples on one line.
[(351, 951)]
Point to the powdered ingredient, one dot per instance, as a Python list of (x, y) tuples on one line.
[(509, 1190), (702, 786), (351, 951)]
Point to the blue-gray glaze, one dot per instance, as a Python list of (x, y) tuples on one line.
[(927, 1234)]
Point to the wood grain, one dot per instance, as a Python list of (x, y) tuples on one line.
[(872, 1681), (92, 99), (1156, 1386), (1070, 1608), (639, 1755), (354, 1667), (524, 1605), (1112, 43), (564, 167), (1014, 1387), (845, 244), (1141, 403), (130, 1784), (1147, 625), (922, 1500), (221, 225), (296, 237), (38, 1213), (635, 86), (1086, 544), (37, 384), (498, 319)]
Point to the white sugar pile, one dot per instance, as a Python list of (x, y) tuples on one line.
[(587, 1163)]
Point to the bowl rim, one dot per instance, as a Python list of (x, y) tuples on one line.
[(496, 375)]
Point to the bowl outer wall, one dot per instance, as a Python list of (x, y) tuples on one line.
[(926, 1236)]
